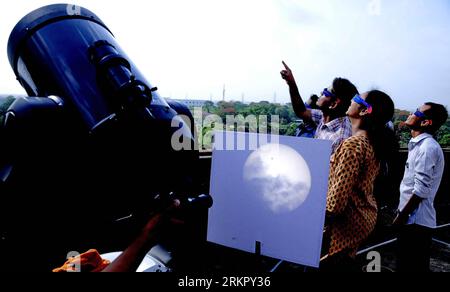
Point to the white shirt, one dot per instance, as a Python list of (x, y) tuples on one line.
[(423, 175)]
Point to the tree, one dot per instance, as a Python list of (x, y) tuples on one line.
[(445, 140), (288, 119), (209, 107), (403, 133), (292, 129), (283, 113)]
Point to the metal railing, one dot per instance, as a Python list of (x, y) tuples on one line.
[(395, 239)]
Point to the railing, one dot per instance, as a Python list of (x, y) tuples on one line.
[(383, 244)]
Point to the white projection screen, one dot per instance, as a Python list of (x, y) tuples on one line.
[(271, 190)]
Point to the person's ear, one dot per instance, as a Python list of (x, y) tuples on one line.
[(426, 123), (334, 104), (365, 112)]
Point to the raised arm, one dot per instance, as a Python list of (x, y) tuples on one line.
[(298, 104)]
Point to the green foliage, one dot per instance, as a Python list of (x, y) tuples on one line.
[(291, 129), (445, 140), (404, 134), (287, 117), (443, 135), (288, 124)]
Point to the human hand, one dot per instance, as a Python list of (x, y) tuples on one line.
[(400, 220), (163, 221), (287, 75)]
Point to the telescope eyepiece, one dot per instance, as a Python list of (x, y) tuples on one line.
[(115, 76)]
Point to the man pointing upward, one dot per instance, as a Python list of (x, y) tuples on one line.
[(333, 104)]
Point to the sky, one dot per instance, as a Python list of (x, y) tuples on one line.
[(191, 49)]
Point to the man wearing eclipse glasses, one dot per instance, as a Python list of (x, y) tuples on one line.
[(416, 217), (331, 119)]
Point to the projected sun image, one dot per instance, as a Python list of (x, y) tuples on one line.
[(281, 176)]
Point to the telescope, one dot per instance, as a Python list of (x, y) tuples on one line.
[(91, 143), (69, 52)]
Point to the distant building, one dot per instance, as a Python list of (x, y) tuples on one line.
[(191, 102)]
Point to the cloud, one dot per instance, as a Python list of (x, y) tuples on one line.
[(280, 194), (194, 47)]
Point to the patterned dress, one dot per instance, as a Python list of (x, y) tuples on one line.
[(351, 206)]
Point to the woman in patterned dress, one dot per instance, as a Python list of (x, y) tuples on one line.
[(351, 205)]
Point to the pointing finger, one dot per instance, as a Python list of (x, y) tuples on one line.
[(286, 66)]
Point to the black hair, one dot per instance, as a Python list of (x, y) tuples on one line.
[(385, 144), (314, 98), (438, 114), (382, 137), (345, 91)]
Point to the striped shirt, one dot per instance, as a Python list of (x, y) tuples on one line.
[(338, 130)]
